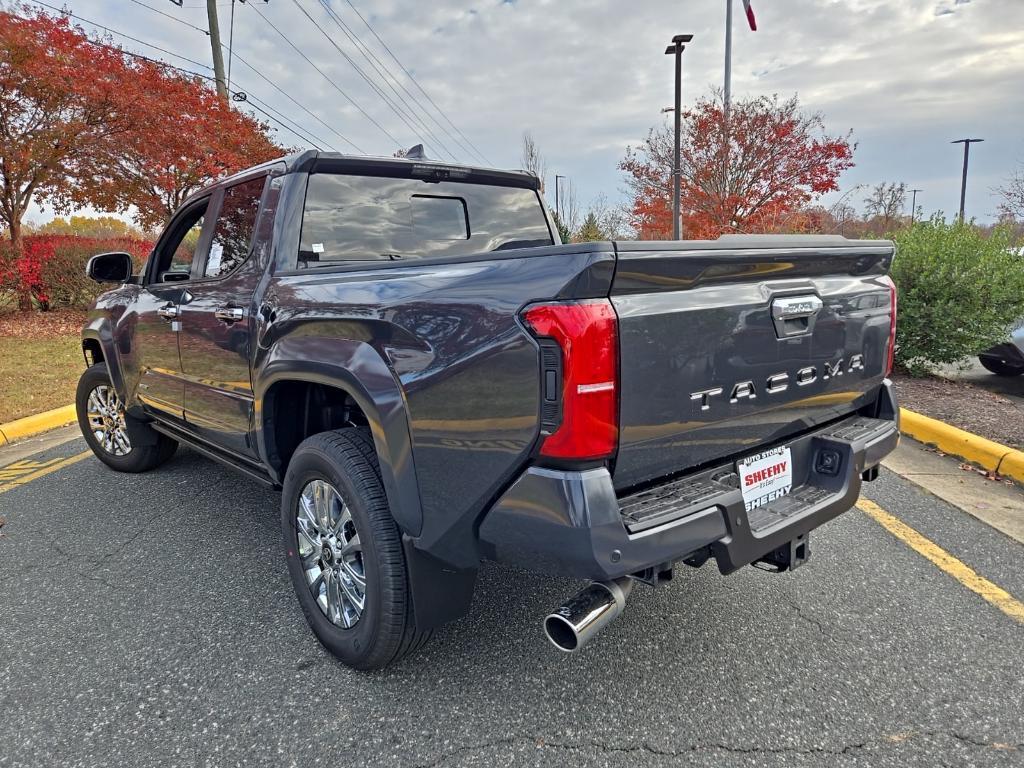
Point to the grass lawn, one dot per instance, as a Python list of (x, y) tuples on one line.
[(40, 362)]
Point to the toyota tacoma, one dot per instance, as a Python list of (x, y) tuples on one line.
[(432, 380)]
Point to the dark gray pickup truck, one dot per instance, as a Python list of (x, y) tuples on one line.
[(406, 351)]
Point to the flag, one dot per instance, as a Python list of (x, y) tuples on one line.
[(750, 15)]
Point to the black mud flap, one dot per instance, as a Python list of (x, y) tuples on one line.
[(789, 556)]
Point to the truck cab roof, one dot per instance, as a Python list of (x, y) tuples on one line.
[(313, 161)]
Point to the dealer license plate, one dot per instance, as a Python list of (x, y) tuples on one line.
[(765, 477)]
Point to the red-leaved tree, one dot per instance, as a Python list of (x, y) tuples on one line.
[(190, 138), (750, 174), (61, 99), (84, 123)]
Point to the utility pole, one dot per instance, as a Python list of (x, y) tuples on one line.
[(963, 182), (218, 54), (676, 49), (913, 204)]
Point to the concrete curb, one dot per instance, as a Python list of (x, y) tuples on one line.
[(987, 454), (33, 425)]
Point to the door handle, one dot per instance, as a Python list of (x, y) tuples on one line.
[(168, 312), (229, 314)]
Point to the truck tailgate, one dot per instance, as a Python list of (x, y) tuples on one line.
[(727, 346)]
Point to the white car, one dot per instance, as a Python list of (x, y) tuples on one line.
[(1006, 359)]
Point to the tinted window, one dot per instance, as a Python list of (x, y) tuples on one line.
[(366, 218), (235, 224)]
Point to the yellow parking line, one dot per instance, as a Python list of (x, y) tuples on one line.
[(44, 471), (967, 576)]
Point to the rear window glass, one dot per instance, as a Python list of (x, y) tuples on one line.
[(370, 218)]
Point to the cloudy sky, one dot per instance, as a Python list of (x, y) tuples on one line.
[(589, 78)]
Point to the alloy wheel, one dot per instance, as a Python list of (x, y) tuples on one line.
[(331, 553), (107, 421)]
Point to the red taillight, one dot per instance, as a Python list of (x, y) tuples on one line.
[(587, 335), (892, 327)]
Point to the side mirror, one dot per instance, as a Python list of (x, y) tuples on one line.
[(113, 267)]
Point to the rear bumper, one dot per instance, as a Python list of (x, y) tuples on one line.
[(571, 522)]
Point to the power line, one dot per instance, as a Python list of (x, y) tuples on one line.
[(337, 87), (416, 82), (65, 12), (270, 82), (305, 109), (354, 39), (376, 89), (172, 18), (388, 76), (266, 109)]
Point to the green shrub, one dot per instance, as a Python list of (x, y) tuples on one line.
[(959, 292)]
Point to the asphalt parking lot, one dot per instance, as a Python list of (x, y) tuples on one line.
[(149, 620)]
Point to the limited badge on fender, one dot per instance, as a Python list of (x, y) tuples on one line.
[(765, 477)]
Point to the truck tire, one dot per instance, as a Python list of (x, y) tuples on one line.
[(344, 551), (120, 441), (1000, 367)]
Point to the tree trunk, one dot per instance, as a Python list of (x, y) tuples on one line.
[(23, 291)]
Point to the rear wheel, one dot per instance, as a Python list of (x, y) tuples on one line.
[(344, 551), (1001, 367), (120, 441)]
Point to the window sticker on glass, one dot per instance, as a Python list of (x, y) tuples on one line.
[(317, 247), (213, 263)]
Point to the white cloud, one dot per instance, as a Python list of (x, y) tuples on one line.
[(587, 79)]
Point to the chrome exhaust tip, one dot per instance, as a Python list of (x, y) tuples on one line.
[(578, 620)]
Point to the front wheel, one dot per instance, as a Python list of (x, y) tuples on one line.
[(344, 551), (1000, 367), (120, 441)]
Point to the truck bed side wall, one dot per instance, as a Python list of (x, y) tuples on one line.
[(466, 369)]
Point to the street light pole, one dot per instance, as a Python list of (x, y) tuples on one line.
[(676, 49), (963, 182), (913, 204)]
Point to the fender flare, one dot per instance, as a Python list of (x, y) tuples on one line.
[(98, 330), (358, 369)]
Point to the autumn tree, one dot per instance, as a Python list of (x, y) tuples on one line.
[(62, 99), (190, 138), (747, 175), (85, 123), (100, 227)]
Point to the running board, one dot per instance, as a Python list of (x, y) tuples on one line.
[(214, 453)]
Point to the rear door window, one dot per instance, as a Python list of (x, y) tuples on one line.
[(232, 236), (373, 218)]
